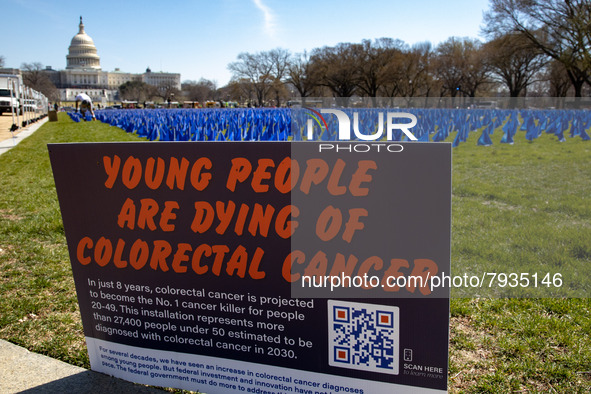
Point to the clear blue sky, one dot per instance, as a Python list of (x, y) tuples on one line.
[(198, 38)]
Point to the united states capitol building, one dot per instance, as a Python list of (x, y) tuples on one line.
[(83, 73)]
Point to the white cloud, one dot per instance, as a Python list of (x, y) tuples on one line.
[(270, 27)]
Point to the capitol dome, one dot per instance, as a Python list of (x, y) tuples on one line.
[(82, 52)]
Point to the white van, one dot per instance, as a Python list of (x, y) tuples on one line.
[(10, 87)]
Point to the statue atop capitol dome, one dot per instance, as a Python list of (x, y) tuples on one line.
[(82, 53)]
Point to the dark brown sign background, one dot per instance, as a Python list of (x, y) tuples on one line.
[(180, 247)]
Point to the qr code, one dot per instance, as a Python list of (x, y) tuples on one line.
[(363, 336)]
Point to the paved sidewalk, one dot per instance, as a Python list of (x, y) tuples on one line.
[(11, 142), (24, 372)]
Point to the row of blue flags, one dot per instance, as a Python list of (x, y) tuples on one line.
[(280, 124), (202, 124)]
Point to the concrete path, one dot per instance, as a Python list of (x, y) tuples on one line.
[(24, 372), (23, 133)]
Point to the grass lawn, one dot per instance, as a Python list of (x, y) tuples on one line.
[(519, 208)]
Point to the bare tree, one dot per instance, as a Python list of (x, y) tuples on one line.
[(371, 63), (2, 61), (450, 66), (167, 91), (514, 61), (257, 70), (392, 74), (336, 67), (242, 91), (558, 79), (411, 71), (202, 90), (279, 60), (559, 28), (477, 70), (460, 66), (35, 78), (136, 91), (300, 75), (266, 71)]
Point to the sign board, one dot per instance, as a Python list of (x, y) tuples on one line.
[(191, 259)]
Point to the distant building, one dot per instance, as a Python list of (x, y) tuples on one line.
[(12, 71), (83, 73)]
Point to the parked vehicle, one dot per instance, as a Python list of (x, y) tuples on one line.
[(10, 88)]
